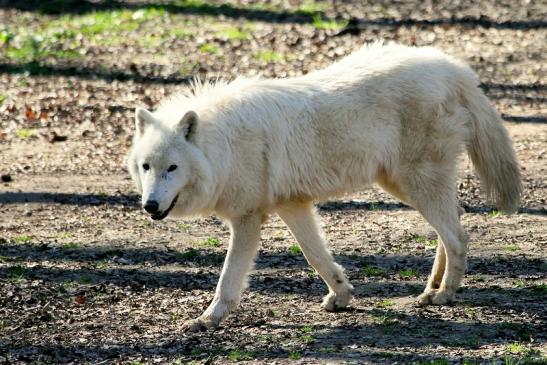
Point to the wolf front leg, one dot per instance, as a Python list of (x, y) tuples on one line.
[(244, 238), (302, 221)]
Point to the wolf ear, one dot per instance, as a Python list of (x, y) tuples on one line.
[(142, 118), (188, 125)]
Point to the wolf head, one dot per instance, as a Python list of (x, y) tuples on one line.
[(163, 160)]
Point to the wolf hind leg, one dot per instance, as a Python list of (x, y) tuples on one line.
[(434, 196), (302, 222)]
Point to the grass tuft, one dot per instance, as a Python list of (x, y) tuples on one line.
[(211, 241), (386, 303), (24, 133), (23, 239), (322, 24), (270, 56), (409, 273), (209, 48), (295, 355), (295, 249), (369, 270), (239, 355), (189, 254)]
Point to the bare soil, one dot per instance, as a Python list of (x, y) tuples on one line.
[(86, 277)]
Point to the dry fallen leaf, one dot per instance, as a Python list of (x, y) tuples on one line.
[(30, 114), (80, 299)]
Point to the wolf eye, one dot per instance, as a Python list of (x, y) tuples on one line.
[(172, 168), (146, 166)]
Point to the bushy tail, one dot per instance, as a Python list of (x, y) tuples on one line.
[(492, 153)]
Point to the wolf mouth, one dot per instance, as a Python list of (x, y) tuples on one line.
[(160, 216)]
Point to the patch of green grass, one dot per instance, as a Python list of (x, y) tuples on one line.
[(265, 338), (312, 273), (323, 24), (424, 240), (418, 238), (512, 248), (295, 249), (385, 303), (439, 361), (525, 355), (71, 246), (471, 342), (102, 264), (518, 283), (270, 56), (108, 21), (370, 270), (6, 36), (209, 48), (189, 254), (25, 133), (61, 38), (63, 287), (62, 235), (36, 47), (539, 289), (185, 227), (470, 312), (311, 7), (307, 336), (85, 279), (373, 207), (239, 355), (146, 224), (234, 33), (174, 317), (17, 273), (295, 355), (409, 273), (2, 98), (211, 241), (382, 320), (432, 243), (4, 258), (516, 349), (23, 239), (327, 349), (478, 278), (495, 213), (181, 32)]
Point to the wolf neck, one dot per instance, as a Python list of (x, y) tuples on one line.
[(244, 125)]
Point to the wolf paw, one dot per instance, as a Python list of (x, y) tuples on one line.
[(335, 301), (198, 325), (435, 297)]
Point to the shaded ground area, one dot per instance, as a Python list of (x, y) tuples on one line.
[(86, 277)]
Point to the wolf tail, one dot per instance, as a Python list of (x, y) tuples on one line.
[(492, 153)]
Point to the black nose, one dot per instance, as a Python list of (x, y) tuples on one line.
[(151, 206)]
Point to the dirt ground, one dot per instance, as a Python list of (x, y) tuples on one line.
[(86, 277)]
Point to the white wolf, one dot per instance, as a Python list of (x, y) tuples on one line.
[(387, 114)]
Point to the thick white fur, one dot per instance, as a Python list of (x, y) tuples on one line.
[(390, 114)]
